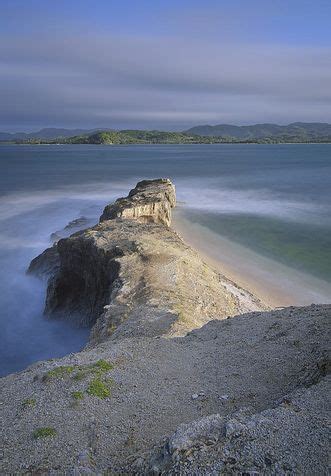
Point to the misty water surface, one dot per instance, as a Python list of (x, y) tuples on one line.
[(273, 199)]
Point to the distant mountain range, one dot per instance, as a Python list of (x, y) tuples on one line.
[(261, 133), (47, 133)]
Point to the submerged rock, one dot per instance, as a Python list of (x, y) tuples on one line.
[(74, 225)]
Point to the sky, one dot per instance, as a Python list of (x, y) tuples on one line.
[(163, 64)]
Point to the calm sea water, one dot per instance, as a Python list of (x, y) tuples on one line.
[(274, 199)]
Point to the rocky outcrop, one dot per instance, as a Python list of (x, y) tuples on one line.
[(131, 274), (46, 264), (149, 202), (273, 441), (149, 395)]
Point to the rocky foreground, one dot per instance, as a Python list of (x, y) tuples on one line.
[(184, 373)]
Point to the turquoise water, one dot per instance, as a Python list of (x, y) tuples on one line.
[(273, 199)]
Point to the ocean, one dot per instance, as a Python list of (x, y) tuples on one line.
[(272, 202)]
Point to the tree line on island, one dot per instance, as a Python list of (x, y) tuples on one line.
[(258, 133)]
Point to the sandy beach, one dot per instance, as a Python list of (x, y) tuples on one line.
[(273, 283)]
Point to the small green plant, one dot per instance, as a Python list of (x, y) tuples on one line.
[(98, 368), (102, 365), (45, 432), (77, 395), (99, 388), (29, 402), (81, 374), (59, 372)]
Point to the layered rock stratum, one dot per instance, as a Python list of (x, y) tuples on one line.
[(149, 202), (184, 372)]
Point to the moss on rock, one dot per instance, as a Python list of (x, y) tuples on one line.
[(44, 432)]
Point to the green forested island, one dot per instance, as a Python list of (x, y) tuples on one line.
[(224, 133)]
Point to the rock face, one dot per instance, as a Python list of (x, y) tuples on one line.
[(132, 274), (149, 202), (168, 385), (46, 264)]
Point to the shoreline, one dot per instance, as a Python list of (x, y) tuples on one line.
[(171, 143), (274, 284)]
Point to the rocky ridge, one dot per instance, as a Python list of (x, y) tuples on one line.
[(173, 380), (132, 275)]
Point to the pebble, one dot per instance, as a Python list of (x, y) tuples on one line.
[(195, 396)]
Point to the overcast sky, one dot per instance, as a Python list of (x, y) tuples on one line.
[(167, 64)]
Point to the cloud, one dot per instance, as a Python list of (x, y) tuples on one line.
[(164, 82)]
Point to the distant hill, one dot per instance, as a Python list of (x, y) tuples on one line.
[(131, 136), (305, 130), (46, 133), (98, 136), (258, 133)]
